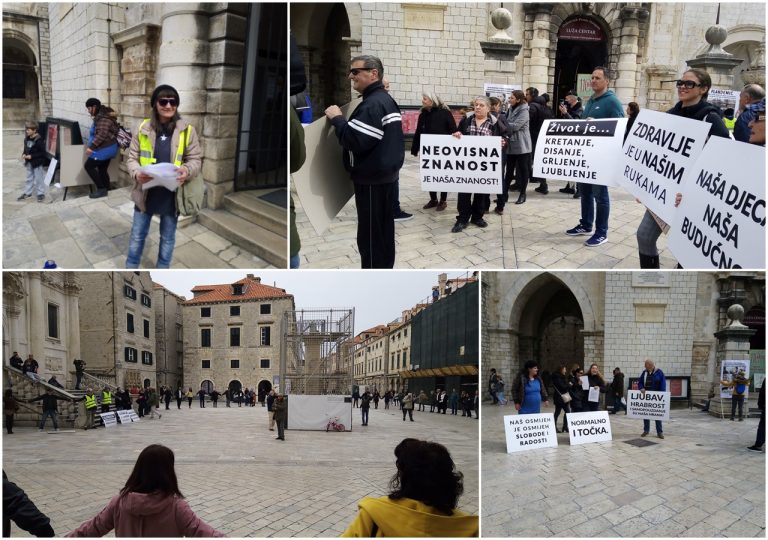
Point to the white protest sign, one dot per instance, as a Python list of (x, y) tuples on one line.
[(530, 431), (51, 171), (467, 165), (594, 394), (586, 151), (658, 151), (728, 372), (720, 222), (725, 99), (124, 417), (109, 419), (589, 427), (650, 405), (134, 416)]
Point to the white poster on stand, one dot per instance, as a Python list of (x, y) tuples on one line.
[(530, 431), (313, 412), (587, 151), (648, 405), (720, 222), (728, 372), (589, 427), (658, 151), (467, 165)]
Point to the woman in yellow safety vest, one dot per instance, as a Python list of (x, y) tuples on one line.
[(163, 138)]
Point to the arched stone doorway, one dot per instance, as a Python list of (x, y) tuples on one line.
[(264, 386), (147, 383), (207, 386), (582, 45), (234, 386), (328, 35), (20, 82)]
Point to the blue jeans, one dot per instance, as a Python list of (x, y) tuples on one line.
[(647, 426), (295, 261), (46, 414), (600, 196), (365, 415), (35, 182), (139, 230)]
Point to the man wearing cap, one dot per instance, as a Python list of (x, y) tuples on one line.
[(102, 145), (373, 152)]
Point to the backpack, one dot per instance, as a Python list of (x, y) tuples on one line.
[(124, 137)]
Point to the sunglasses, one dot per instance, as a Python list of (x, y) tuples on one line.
[(164, 102), (356, 71), (687, 84)]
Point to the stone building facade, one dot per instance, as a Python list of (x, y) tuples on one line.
[(169, 336), (232, 335), (617, 319), (41, 316), (117, 327), (454, 48)]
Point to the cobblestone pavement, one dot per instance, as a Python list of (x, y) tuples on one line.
[(93, 233), (700, 481), (233, 472), (526, 236)]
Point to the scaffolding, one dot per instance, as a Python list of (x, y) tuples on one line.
[(317, 356)]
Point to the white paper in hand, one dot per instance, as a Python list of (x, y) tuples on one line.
[(594, 394), (163, 174)]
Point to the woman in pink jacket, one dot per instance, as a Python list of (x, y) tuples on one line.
[(150, 504)]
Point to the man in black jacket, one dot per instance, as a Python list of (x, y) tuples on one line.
[(538, 112), (374, 151), (760, 439), (50, 407), (23, 512)]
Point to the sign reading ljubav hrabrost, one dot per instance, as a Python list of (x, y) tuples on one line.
[(586, 151), (648, 405), (466, 165), (530, 431)]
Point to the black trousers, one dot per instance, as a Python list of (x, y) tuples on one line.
[(471, 206), (376, 224), (737, 401), (97, 170), (519, 166), (760, 440)]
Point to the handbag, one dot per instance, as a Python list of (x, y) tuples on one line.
[(565, 397), (190, 195)]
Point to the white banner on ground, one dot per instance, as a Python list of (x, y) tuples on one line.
[(124, 417), (134, 416), (109, 419), (530, 431), (656, 155), (589, 427), (466, 165), (587, 151), (50, 172), (728, 372), (650, 405), (720, 222), (313, 412)]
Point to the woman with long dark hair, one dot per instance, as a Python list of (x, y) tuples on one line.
[(562, 388), (692, 91), (595, 381), (150, 503), (529, 391), (163, 138), (424, 493), (518, 151)]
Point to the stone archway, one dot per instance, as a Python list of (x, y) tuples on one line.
[(207, 385), (234, 386), (264, 386), (21, 100)]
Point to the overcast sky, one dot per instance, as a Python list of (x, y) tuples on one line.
[(377, 296)]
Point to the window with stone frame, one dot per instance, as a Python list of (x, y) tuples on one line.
[(266, 336), (234, 311), (146, 328), (205, 311), (146, 358), (234, 364), (53, 321), (206, 364), (234, 336), (146, 300), (205, 337), (264, 363), (129, 292), (14, 84), (131, 355), (129, 323), (265, 309)]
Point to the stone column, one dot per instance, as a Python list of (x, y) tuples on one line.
[(38, 316), (625, 86), (73, 325), (718, 63), (660, 94), (732, 344), (538, 43)]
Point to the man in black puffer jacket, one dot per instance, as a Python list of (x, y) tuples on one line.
[(373, 152)]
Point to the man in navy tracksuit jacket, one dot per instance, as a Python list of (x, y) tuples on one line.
[(373, 152)]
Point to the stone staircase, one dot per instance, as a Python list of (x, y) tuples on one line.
[(252, 224)]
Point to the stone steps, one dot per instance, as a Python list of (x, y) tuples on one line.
[(262, 242), (250, 207)]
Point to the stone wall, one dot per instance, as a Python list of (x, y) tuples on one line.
[(168, 333)]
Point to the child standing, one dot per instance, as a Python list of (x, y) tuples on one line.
[(34, 157)]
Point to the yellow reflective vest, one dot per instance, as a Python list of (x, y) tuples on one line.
[(106, 398), (146, 151), (90, 401)]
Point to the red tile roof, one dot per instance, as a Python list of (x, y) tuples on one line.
[(253, 289)]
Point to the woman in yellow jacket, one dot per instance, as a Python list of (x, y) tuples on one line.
[(162, 138), (422, 503)]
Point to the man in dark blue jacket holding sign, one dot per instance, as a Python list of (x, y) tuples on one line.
[(374, 151), (653, 379)]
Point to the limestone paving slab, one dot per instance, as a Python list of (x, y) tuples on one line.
[(232, 471), (529, 235), (673, 488)]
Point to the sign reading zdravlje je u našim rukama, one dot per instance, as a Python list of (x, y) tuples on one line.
[(530, 431), (587, 151), (465, 165), (589, 427), (656, 155), (648, 405), (720, 222)]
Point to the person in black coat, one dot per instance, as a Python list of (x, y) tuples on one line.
[(595, 381), (760, 439), (577, 392), (23, 512), (562, 386), (617, 390), (435, 118), (50, 407)]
